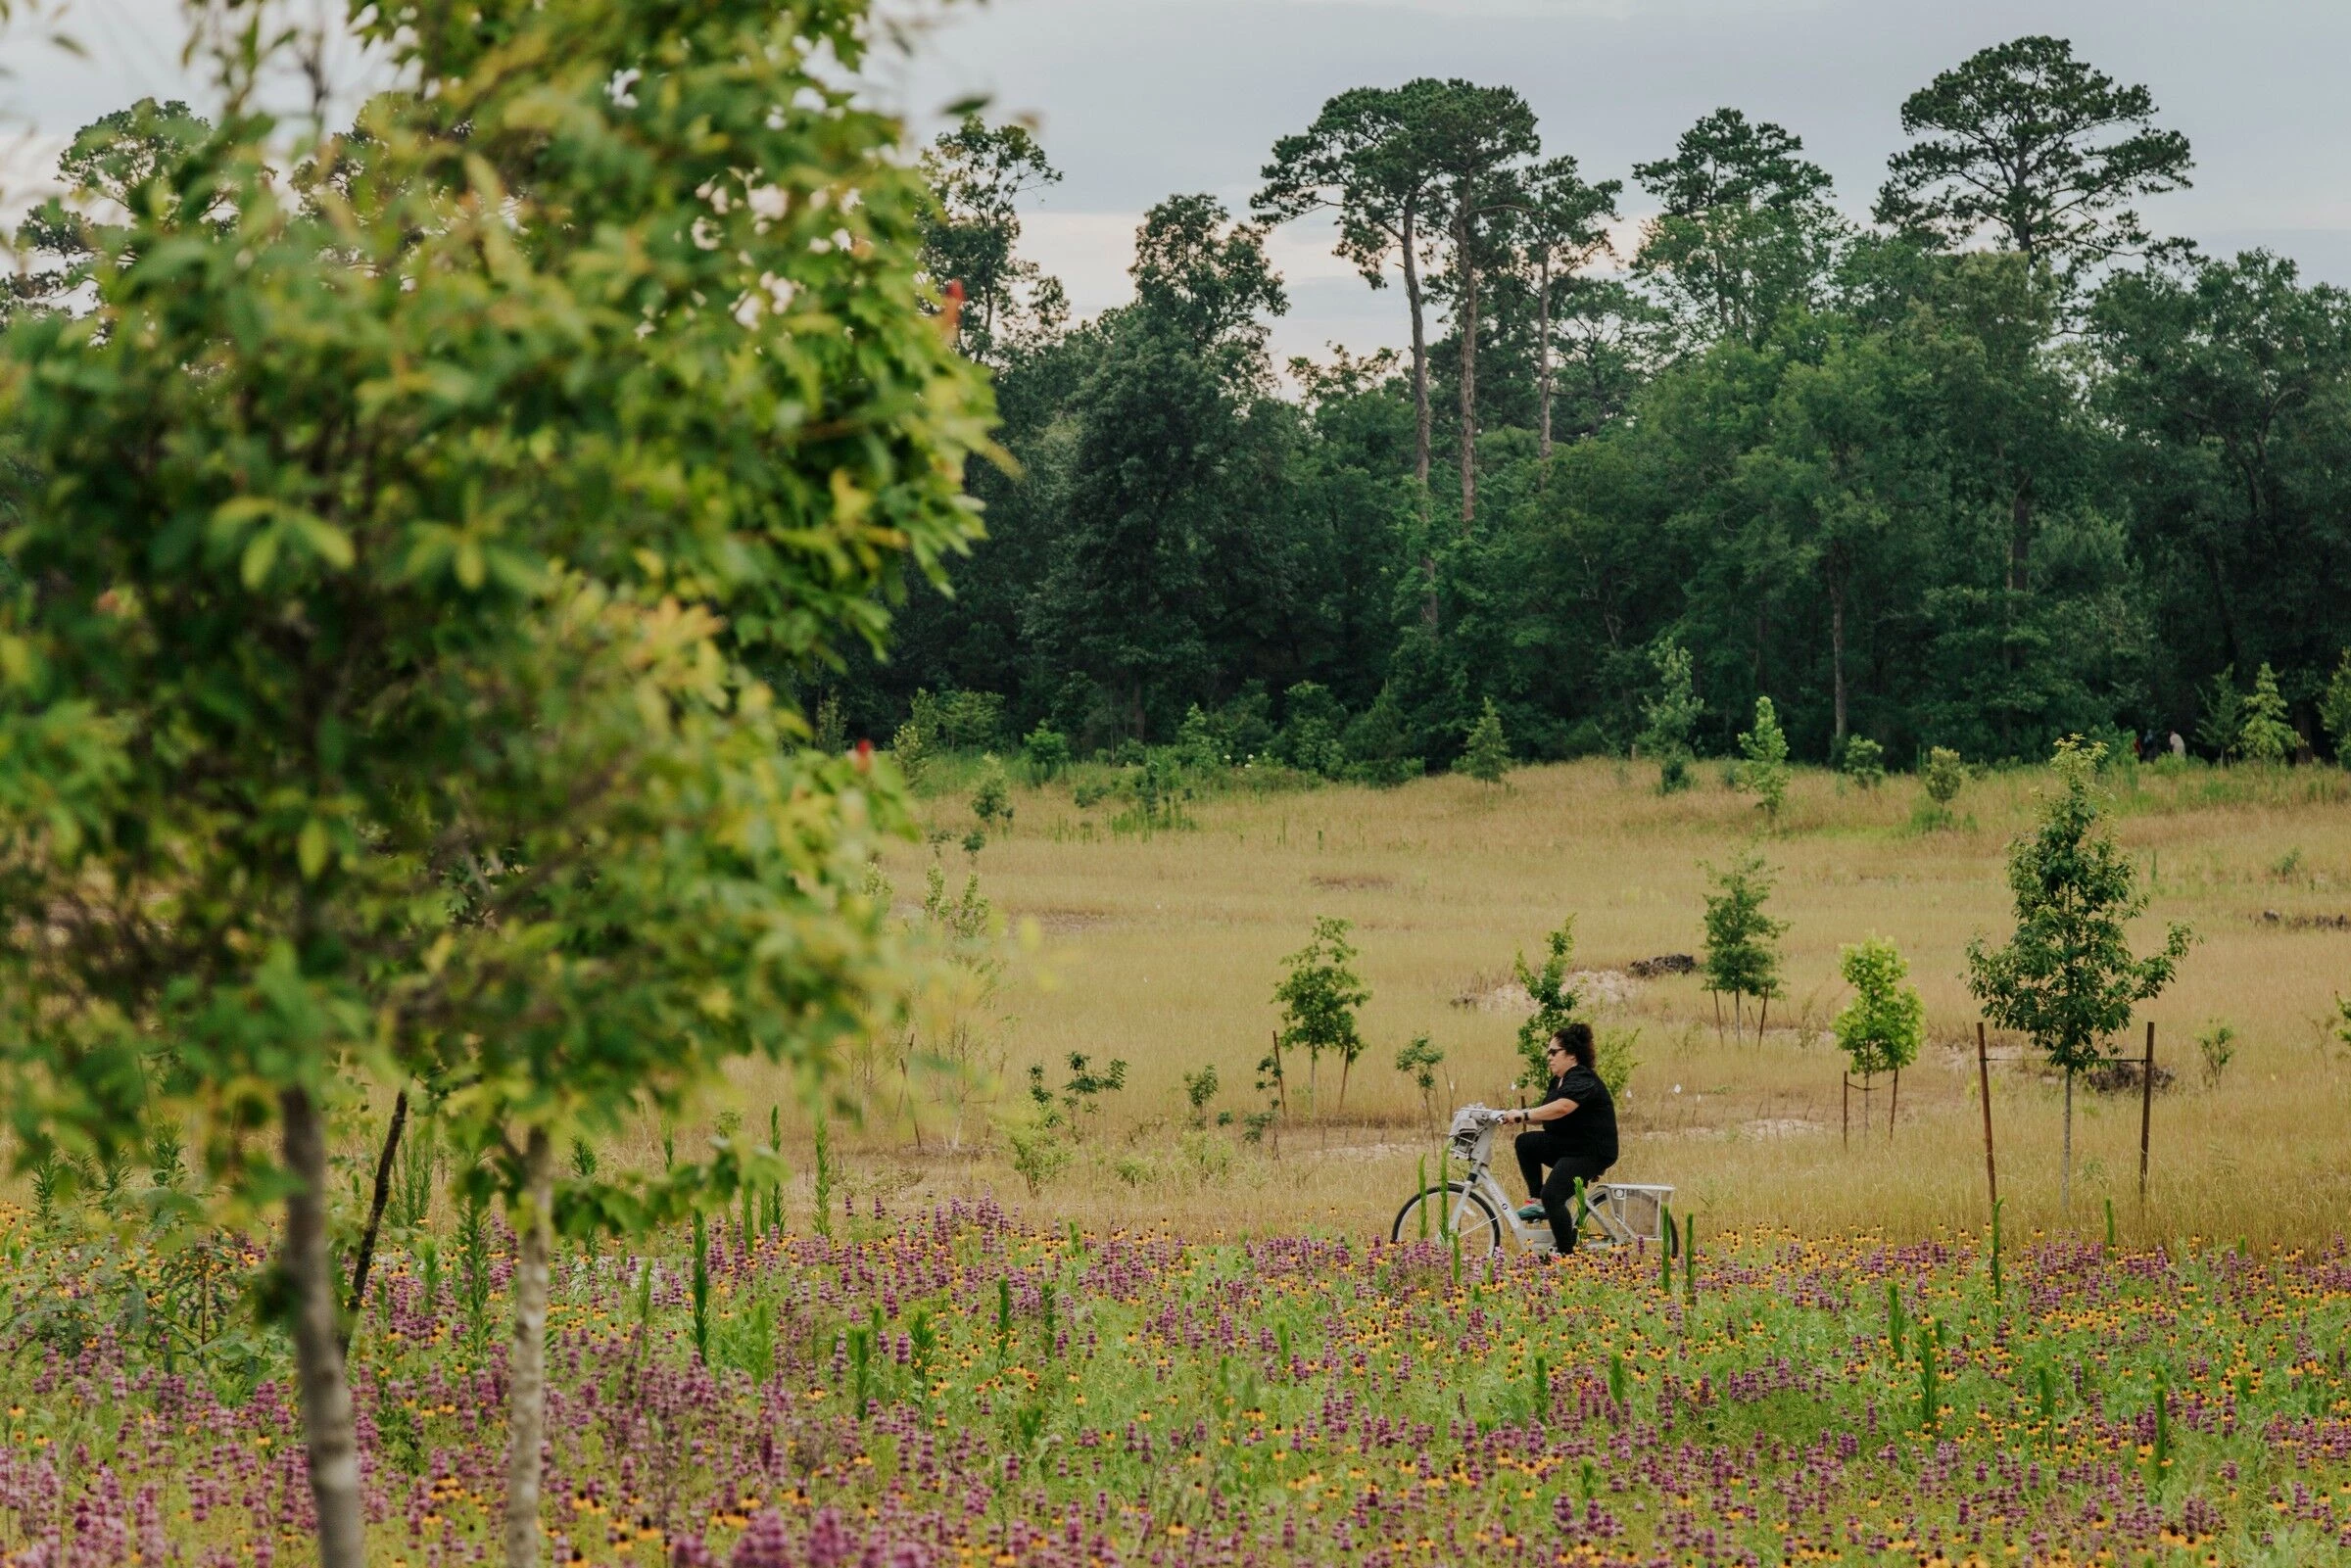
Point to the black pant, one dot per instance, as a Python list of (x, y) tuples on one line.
[(1557, 1194)]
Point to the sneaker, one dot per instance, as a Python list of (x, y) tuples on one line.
[(1531, 1214)]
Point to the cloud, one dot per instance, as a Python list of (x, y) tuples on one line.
[(1543, 10)]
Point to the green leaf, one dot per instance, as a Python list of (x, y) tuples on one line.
[(309, 849), (261, 553)]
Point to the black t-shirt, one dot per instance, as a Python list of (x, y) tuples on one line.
[(1590, 1129)]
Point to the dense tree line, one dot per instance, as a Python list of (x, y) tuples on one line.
[(1996, 469)]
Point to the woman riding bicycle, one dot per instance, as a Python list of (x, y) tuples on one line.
[(1574, 1132)]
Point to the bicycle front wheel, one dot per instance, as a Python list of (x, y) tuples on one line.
[(1427, 1214)]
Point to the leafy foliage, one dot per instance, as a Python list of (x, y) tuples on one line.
[(1764, 773), (1318, 996), (1554, 997), (2215, 1048), (2263, 736), (979, 172), (1945, 774), (1419, 1059), (2037, 146), (2221, 721), (1745, 231), (411, 552), (2334, 709), (1486, 757), (2068, 979), (1741, 959), (1669, 717), (1863, 762), (1881, 1029)]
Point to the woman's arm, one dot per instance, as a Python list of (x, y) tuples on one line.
[(1551, 1112)]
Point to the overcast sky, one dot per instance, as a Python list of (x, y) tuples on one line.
[(1138, 99), (1135, 99)]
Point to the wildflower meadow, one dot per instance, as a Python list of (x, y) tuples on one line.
[(951, 1386)]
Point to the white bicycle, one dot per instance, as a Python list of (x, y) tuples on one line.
[(1475, 1208)]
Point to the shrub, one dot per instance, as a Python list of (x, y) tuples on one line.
[(1487, 755), (1158, 796), (1669, 717), (1235, 733), (1039, 1153), (1311, 728), (1047, 751), (2216, 1046), (1555, 1000), (1199, 1088), (1614, 1059), (2221, 726), (1210, 1157), (960, 721), (1079, 1100), (2263, 736), (907, 747), (1864, 761), (1375, 744), (1419, 1060), (831, 733), (1945, 775), (1318, 998), (991, 800), (2334, 709), (1741, 959), (1881, 1029), (1764, 772)]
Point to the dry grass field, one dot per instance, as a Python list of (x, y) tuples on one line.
[(1163, 951)]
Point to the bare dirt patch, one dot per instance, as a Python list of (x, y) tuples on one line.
[(1064, 921), (1351, 882), (1598, 988)]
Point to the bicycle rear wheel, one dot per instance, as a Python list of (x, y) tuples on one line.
[(1479, 1227)]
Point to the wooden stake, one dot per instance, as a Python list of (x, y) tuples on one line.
[(1992, 1173), (1895, 1107), (1848, 1080), (2146, 1110)]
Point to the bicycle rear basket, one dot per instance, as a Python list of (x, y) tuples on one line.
[(1640, 1209)]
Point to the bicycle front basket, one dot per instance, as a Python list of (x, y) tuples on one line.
[(1470, 1123)]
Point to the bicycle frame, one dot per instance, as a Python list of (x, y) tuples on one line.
[(1604, 1219)]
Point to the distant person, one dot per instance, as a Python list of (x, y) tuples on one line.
[(2179, 747), (1574, 1132)]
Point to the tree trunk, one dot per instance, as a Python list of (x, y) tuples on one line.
[(375, 1214), (2019, 536), (1468, 325), (330, 1439), (1410, 236), (2065, 1180), (1543, 356), (1837, 658), (526, 1367)]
